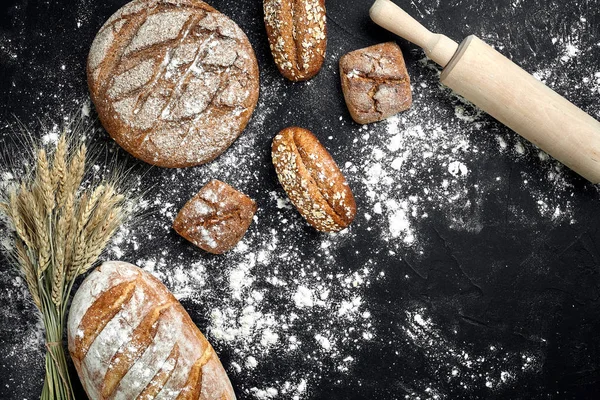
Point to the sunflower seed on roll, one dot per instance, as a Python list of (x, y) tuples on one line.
[(297, 31)]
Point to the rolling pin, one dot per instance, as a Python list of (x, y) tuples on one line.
[(504, 90)]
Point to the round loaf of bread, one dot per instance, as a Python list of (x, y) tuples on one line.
[(312, 180), (174, 82), (129, 338)]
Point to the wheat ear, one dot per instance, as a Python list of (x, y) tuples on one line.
[(24, 206), (35, 207), (77, 168), (77, 248), (102, 209), (44, 182), (61, 242), (17, 219), (59, 168), (28, 270), (101, 237)]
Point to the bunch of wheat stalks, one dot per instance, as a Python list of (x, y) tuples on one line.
[(60, 229)]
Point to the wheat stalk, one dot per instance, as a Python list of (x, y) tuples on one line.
[(60, 230)]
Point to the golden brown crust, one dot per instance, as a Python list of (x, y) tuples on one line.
[(216, 218), (99, 314), (150, 349), (375, 82), (174, 81), (297, 31), (312, 180)]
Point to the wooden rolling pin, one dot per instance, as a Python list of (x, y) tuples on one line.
[(505, 91)]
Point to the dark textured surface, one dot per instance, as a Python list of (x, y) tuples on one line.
[(526, 283)]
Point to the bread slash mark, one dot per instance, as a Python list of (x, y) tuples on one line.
[(162, 376), (99, 314), (127, 355), (193, 386)]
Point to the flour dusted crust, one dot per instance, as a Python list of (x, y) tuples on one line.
[(375, 82), (174, 82), (129, 338), (216, 218), (312, 180), (297, 31)]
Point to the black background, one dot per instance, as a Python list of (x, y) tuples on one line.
[(531, 285)]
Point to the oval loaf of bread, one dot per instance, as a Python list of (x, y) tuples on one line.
[(131, 339), (312, 180), (297, 32)]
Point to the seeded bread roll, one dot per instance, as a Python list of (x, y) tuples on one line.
[(297, 31), (174, 81), (312, 180), (216, 218), (129, 338), (375, 82)]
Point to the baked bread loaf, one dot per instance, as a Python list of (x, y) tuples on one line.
[(312, 180), (216, 218), (131, 339), (174, 81), (375, 82), (297, 31)]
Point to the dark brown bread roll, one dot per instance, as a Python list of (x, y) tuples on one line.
[(216, 218), (174, 81), (297, 31), (312, 180), (375, 82), (131, 339)]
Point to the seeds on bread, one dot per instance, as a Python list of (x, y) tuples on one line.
[(297, 31), (312, 180)]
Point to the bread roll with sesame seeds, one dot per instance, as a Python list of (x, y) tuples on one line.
[(297, 31), (312, 180)]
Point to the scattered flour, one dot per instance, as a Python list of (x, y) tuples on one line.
[(458, 366)]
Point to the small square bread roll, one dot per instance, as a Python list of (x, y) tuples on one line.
[(375, 82), (216, 218)]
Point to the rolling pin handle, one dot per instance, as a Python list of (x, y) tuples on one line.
[(437, 47)]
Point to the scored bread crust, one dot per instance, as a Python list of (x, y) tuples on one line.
[(216, 218), (375, 82), (174, 82), (312, 180), (297, 32), (143, 347)]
